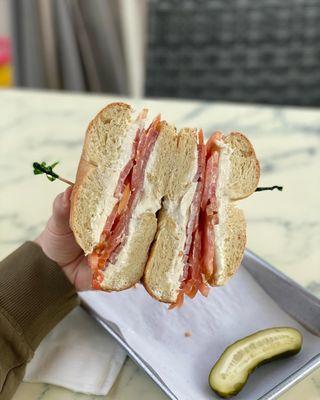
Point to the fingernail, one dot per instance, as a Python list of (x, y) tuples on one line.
[(66, 196)]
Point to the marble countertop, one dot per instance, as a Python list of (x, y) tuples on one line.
[(283, 228)]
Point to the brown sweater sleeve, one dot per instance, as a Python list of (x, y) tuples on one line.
[(34, 296)]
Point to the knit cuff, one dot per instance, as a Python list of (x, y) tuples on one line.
[(35, 292)]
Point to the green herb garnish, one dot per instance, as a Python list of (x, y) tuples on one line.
[(260, 189), (43, 168)]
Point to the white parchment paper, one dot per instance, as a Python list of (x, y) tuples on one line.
[(228, 314)]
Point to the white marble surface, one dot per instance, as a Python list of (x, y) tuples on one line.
[(283, 228)]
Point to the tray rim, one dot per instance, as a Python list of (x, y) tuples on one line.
[(272, 394)]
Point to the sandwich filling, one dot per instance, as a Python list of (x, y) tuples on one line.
[(198, 255), (199, 251), (127, 192), (209, 206)]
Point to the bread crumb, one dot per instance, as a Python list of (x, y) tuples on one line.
[(180, 254), (188, 334)]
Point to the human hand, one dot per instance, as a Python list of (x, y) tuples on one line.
[(58, 243)]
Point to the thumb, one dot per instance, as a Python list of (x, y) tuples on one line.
[(57, 240), (59, 221)]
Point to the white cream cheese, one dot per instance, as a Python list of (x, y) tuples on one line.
[(111, 178), (180, 212)]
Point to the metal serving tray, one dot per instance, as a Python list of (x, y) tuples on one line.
[(291, 297)]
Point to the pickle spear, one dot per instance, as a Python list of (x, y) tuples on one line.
[(231, 371)]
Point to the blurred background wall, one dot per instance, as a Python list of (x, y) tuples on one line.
[(78, 44), (265, 51), (4, 20)]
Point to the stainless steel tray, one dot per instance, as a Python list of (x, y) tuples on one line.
[(291, 297)]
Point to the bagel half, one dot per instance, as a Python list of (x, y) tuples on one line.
[(166, 275)]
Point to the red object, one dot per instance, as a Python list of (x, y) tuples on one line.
[(5, 51)]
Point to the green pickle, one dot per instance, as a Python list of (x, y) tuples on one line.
[(231, 372)]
